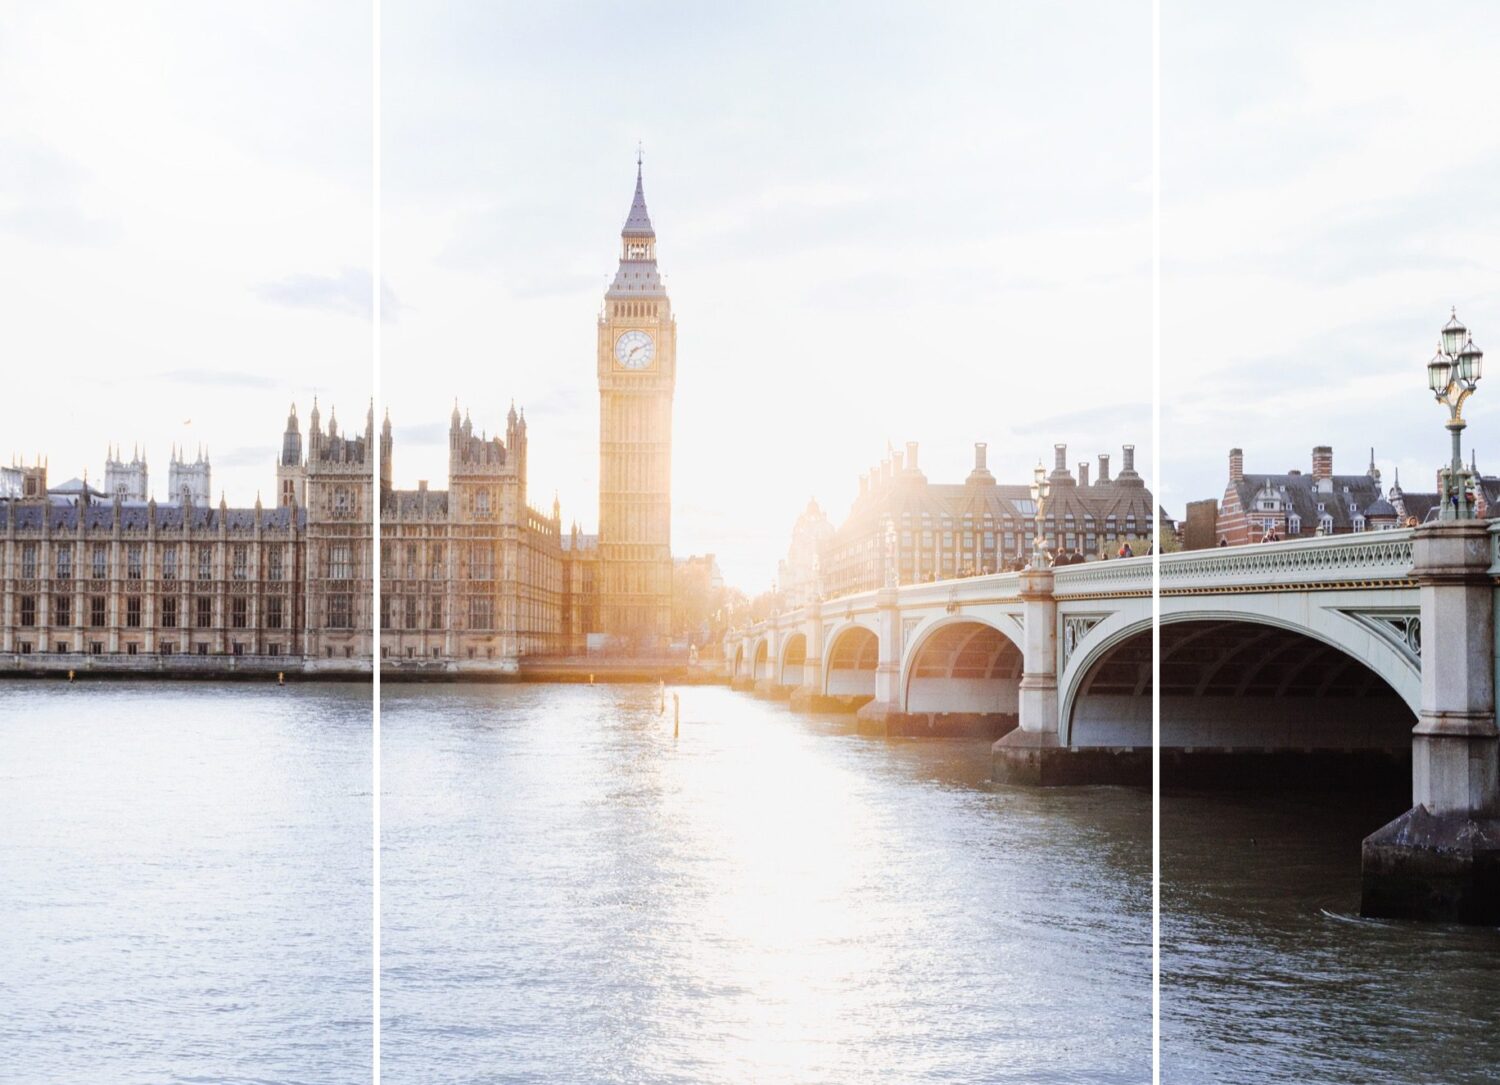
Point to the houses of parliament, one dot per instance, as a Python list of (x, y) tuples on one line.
[(472, 576)]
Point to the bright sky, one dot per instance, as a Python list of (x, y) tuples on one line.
[(909, 222), (185, 226), (877, 224), (1329, 191)]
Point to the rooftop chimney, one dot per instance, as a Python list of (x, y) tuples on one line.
[(1236, 465), (1060, 466), (1083, 472), (981, 472), (1103, 467), (911, 455), (1322, 462), (1128, 456)]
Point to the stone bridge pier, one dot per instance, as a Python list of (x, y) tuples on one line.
[(1441, 859)]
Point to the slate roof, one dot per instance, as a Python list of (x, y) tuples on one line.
[(637, 278), (100, 516), (1424, 505), (638, 222), (1350, 496)]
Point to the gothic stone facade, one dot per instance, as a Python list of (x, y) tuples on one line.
[(637, 371), (111, 579), (471, 576)]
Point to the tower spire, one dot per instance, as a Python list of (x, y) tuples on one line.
[(638, 222)]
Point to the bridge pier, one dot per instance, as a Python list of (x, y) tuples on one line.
[(742, 674), (771, 690), (873, 716), (1034, 753), (809, 696), (1441, 859)]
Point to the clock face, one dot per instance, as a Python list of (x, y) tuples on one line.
[(635, 350)]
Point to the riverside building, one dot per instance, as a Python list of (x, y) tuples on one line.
[(935, 531), (471, 576), (100, 579)]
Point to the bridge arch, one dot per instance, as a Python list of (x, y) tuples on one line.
[(1235, 678), (849, 661), (760, 660), (962, 663), (739, 662), (793, 656), (1104, 694)]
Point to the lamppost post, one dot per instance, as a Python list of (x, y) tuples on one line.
[(1452, 375)]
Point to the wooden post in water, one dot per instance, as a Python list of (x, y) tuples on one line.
[(662, 689), (676, 715)]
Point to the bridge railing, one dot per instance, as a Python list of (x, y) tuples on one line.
[(1121, 576), (1364, 557)]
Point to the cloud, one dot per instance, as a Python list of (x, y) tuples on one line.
[(422, 434), (58, 222), (1089, 420), (42, 186), (348, 292), (245, 456), (562, 400), (217, 378)]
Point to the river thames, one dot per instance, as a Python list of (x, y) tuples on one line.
[(1270, 974), (185, 883), (572, 895)]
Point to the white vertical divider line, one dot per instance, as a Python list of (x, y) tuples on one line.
[(375, 281), (1156, 460)]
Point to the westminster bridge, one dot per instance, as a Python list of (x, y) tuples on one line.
[(1363, 646)]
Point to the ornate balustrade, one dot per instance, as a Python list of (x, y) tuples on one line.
[(1371, 558)]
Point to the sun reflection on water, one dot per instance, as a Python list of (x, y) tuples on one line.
[(572, 894)]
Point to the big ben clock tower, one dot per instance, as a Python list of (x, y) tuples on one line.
[(637, 372)]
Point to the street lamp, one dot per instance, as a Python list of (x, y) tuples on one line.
[(1452, 375), (1039, 492)]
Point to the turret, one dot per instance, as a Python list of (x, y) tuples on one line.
[(291, 440), (385, 452), (125, 480), (314, 431)]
